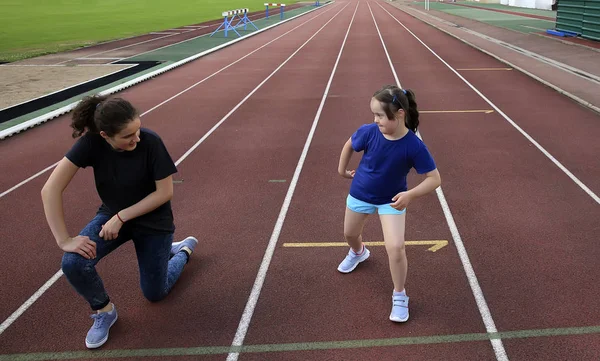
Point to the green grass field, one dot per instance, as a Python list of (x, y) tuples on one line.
[(36, 27)]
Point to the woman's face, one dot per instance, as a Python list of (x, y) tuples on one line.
[(128, 138)]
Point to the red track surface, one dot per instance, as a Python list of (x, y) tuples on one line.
[(529, 230)]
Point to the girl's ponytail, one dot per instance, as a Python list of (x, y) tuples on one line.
[(412, 113), (83, 115)]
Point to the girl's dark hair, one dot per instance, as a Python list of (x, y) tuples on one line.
[(393, 99), (99, 113)]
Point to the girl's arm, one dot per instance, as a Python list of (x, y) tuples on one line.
[(162, 194), (345, 159), (429, 184)]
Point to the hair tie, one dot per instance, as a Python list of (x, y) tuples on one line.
[(404, 91)]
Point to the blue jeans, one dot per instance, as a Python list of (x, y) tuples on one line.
[(158, 272)]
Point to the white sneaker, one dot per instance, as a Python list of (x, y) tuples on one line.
[(399, 308), (352, 260)]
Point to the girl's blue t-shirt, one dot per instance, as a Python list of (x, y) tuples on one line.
[(385, 164)]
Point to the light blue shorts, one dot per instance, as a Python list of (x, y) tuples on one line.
[(359, 206)]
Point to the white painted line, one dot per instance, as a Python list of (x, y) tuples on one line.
[(28, 179), (507, 118), (12, 318), (67, 108), (163, 33), (242, 329), (464, 257), (54, 278)]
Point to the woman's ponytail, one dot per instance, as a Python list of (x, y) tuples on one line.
[(99, 113), (83, 115)]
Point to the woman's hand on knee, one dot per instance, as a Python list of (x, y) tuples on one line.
[(110, 229), (81, 245)]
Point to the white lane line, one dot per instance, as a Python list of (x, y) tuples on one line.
[(462, 252), (242, 329)]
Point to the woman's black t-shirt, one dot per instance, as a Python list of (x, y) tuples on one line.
[(123, 178)]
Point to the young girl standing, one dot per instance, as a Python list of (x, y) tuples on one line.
[(391, 148), (133, 176)]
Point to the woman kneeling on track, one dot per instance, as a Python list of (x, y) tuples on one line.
[(391, 148), (133, 174)]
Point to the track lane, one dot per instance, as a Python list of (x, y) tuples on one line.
[(210, 294), (320, 304), (530, 230)]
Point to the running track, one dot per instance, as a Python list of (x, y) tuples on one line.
[(283, 113)]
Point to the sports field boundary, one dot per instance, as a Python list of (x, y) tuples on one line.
[(558, 89), (117, 88)]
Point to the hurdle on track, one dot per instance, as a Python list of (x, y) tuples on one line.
[(281, 6), (228, 23), (317, 3)]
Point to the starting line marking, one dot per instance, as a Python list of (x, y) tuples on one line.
[(303, 346), (436, 244)]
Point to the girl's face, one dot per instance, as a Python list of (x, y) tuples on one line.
[(128, 138), (386, 126)]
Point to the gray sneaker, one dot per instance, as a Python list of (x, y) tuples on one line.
[(352, 260), (98, 333), (189, 242)]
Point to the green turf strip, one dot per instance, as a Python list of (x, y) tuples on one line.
[(304, 346)]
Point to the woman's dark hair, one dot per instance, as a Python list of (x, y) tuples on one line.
[(100, 113), (392, 99)]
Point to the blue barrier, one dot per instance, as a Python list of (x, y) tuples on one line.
[(227, 22), (281, 7)]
